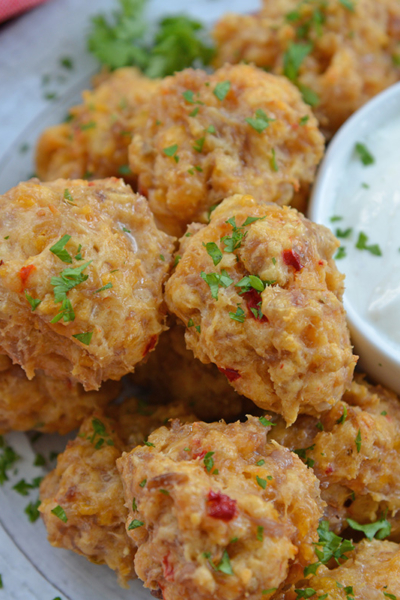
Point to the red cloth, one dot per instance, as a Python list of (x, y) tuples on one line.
[(11, 8)]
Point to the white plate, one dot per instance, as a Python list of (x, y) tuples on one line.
[(29, 48)]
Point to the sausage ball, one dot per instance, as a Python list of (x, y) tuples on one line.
[(340, 53), (372, 572), (216, 512), (354, 450), (81, 273), (239, 130), (46, 404), (172, 373), (260, 296), (94, 141), (87, 486)]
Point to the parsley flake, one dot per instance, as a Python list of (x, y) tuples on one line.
[(390, 596), (143, 483), (34, 302), (380, 529), (335, 218), (68, 197), (7, 459), (347, 4), (304, 120), (214, 252), (274, 164), (260, 462), (209, 461), (239, 315), (225, 565), (341, 253), (105, 287), (171, 151), (84, 338), (260, 533), (198, 145), (343, 417), (59, 512), (215, 281), (59, 250), (344, 233), (221, 90), (293, 58), (261, 482), (362, 245), (135, 524), (264, 421), (32, 511), (260, 122), (364, 154), (134, 505)]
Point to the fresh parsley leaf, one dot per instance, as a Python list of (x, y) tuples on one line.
[(198, 145), (221, 90), (239, 315), (260, 122), (67, 196), (349, 4), (380, 529), (79, 255), (269, 591), (209, 461), (362, 245), (88, 125), (343, 418), (135, 524), (7, 459), (344, 233), (134, 505), (306, 593), (264, 421), (225, 565), (331, 545), (335, 218), (214, 252), (260, 462), (59, 512), (260, 533), (274, 164), (106, 287), (293, 58), (66, 62), (66, 312), (390, 596), (124, 170), (309, 96), (216, 280), (39, 461), (59, 250), (304, 120), (171, 151), (261, 482), (84, 338), (364, 154), (341, 253), (143, 483), (34, 302), (32, 511)]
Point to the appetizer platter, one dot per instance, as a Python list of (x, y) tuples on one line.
[(183, 412)]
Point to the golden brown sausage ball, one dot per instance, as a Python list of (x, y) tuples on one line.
[(172, 373), (340, 53), (260, 296), (239, 130), (94, 142), (87, 486), (354, 450), (216, 512), (372, 572), (46, 404), (81, 273)]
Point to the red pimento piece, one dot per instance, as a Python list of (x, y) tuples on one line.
[(200, 454), (1, 262), (150, 346), (329, 470), (253, 300), (24, 274), (292, 259), (168, 568), (231, 374), (221, 506)]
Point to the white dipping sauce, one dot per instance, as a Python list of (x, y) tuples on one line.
[(373, 282)]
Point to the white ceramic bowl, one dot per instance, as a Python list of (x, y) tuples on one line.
[(379, 359)]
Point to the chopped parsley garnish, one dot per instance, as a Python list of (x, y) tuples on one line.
[(309, 96), (67, 196), (362, 245), (68, 279), (171, 151), (380, 529), (365, 186), (210, 129), (216, 280), (364, 154), (88, 125), (390, 596), (23, 487), (126, 230), (269, 591), (260, 533), (99, 429), (214, 252), (274, 164), (344, 233), (84, 338), (335, 218), (1, 583), (293, 58), (261, 482), (198, 145), (106, 287), (239, 315), (194, 112), (143, 483), (221, 90), (189, 97), (59, 512), (253, 282), (302, 453), (124, 170), (234, 241), (134, 505), (260, 121), (66, 312), (304, 120), (260, 462), (349, 4), (135, 524), (341, 253), (209, 461), (384, 413), (177, 259), (306, 593), (79, 255), (7, 459), (32, 511), (149, 444), (39, 461), (165, 492), (225, 565), (34, 302), (343, 418), (264, 421), (319, 426), (7, 237), (328, 546), (66, 62), (59, 250)]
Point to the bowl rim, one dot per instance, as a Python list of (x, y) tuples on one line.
[(346, 137)]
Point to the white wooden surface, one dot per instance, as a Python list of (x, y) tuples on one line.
[(30, 48)]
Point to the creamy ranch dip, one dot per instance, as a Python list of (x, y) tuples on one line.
[(366, 220)]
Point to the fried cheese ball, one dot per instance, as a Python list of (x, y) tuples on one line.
[(354, 450), (94, 142), (172, 373), (46, 404), (216, 512), (260, 296), (239, 130), (81, 274), (372, 572), (86, 484), (340, 54)]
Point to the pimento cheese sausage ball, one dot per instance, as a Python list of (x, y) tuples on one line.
[(81, 273), (340, 54), (372, 572), (260, 296), (238, 130), (216, 512), (94, 142), (173, 373), (354, 450), (46, 404), (87, 486)]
